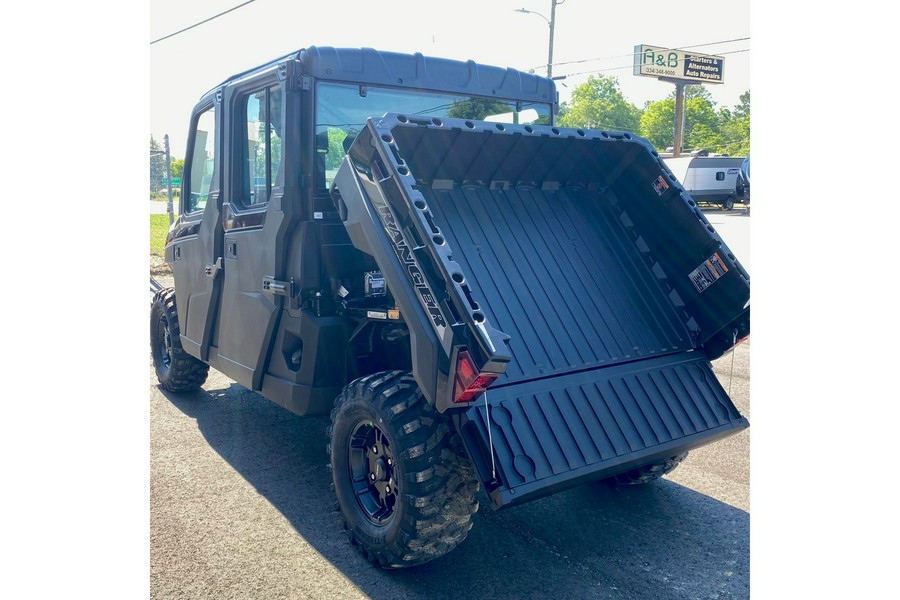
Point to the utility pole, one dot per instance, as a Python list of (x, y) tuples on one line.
[(679, 117), (680, 84), (553, 4), (169, 207), (551, 23)]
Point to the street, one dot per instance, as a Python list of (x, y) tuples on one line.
[(158, 207), (240, 508)]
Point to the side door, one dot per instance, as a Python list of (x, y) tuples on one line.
[(254, 225), (197, 240)]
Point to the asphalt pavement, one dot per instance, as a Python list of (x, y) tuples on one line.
[(240, 508)]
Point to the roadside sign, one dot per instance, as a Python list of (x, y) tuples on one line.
[(654, 61)]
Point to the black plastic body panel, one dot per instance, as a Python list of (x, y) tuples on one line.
[(552, 434), (388, 219), (192, 248), (391, 69), (415, 71)]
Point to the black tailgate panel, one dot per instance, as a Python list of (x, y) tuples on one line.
[(555, 433)]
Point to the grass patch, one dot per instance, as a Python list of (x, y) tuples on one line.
[(159, 227)]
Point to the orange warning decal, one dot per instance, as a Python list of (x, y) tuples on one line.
[(708, 273)]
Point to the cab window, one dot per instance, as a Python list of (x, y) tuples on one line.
[(342, 110), (203, 162), (260, 145)]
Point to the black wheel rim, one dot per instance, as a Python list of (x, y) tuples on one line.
[(163, 342), (372, 472)]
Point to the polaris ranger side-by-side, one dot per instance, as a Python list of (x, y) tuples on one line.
[(476, 296)]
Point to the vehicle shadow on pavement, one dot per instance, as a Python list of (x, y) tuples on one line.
[(660, 540)]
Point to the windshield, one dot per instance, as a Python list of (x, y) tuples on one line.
[(342, 110)]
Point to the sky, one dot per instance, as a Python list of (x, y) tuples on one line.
[(185, 66)]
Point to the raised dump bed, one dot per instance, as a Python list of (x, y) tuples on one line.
[(570, 262)]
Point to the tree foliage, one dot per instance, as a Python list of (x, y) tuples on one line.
[(720, 131), (599, 104), (477, 108), (177, 168), (736, 129), (657, 122), (335, 153)]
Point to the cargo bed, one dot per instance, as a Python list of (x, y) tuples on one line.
[(578, 267), (557, 272)]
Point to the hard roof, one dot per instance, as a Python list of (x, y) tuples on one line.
[(374, 67)]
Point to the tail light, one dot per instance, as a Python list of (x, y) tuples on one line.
[(470, 383)]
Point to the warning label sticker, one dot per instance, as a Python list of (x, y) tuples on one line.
[(660, 185), (706, 274)]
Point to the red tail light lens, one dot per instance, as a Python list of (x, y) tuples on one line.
[(469, 384)]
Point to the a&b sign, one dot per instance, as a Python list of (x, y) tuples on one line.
[(653, 61)]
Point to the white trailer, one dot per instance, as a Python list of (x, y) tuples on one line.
[(709, 179)]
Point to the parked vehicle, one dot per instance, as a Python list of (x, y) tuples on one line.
[(742, 185), (709, 179), (475, 299)]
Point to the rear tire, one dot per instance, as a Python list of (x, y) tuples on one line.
[(648, 473), (402, 480), (729, 203), (176, 370)]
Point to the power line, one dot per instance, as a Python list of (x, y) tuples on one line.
[(633, 54), (202, 22)]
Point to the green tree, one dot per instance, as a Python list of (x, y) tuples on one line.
[(743, 109), (477, 109), (736, 127), (657, 123), (177, 168), (701, 121), (694, 91), (722, 131), (599, 104), (335, 147), (704, 131)]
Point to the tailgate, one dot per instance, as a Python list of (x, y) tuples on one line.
[(552, 434)]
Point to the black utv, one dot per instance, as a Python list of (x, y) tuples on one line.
[(477, 296)]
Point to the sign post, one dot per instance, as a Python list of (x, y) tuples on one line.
[(682, 69), (169, 206)]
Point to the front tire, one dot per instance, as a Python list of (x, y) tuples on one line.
[(402, 481), (176, 370)]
